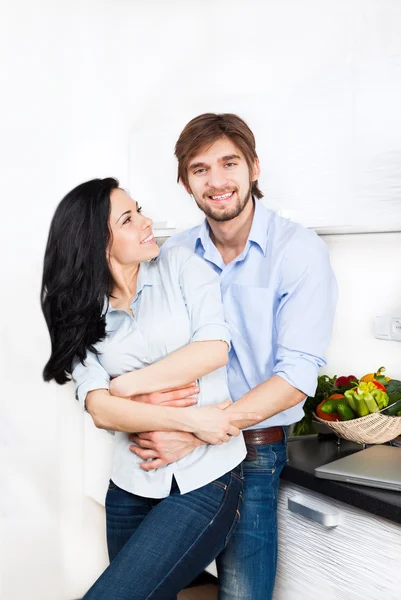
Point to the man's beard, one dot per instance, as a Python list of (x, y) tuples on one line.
[(228, 213)]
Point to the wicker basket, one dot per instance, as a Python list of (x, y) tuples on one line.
[(372, 429)]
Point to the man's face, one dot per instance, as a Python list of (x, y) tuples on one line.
[(220, 180)]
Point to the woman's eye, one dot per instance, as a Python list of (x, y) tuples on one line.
[(139, 209), (127, 220)]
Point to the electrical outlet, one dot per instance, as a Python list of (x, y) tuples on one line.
[(388, 328), (396, 328)]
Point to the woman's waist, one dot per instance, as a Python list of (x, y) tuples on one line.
[(200, 458)]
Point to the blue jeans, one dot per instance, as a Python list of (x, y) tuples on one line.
[(157, 547), (247, 567)]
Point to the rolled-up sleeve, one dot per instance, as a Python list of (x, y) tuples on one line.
[(200, 287), (88, 377), (305, 314)]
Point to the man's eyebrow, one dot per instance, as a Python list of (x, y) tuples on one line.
[(127, 212), (197, 165), (230, 157)]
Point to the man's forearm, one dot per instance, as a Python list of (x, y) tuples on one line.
[(269, 398)]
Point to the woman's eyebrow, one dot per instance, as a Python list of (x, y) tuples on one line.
[(127, 212)]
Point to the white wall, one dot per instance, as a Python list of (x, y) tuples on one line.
[(79, 79)]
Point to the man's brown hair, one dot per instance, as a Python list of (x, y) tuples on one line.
[(205, 130)]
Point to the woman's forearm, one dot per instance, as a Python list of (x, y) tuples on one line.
[(211, 424), (178, 368), (116, 414)]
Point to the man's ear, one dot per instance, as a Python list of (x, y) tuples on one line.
[(187, 188), (255, 170)]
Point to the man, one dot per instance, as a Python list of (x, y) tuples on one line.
[(279, 295)]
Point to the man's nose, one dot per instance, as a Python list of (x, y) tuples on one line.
[(217, 178)]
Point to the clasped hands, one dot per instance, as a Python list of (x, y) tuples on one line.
[(211, 424), (165, 447)]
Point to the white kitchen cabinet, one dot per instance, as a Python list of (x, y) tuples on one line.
[(357, 558)]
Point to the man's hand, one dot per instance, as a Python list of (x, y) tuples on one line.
[(163, 447), (180, 397)]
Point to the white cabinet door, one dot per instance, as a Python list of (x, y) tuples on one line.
[(359, 559)]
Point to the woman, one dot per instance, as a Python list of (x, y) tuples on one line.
[(116, 311)]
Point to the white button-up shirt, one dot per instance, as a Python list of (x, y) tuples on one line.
[(178, 301)]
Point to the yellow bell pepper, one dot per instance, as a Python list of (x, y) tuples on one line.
[(373, 376)]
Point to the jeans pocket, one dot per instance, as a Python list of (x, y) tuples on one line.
[(265, 461)]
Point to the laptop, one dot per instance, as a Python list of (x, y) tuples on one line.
[(377, 466)]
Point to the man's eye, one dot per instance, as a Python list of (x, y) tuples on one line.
[(199, 171), (139, 209), (127, 220), (230, 164)]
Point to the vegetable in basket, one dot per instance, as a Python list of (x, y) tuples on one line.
[(393, 390), (367, 398), (378, 376), (335, 405), (325, 388)]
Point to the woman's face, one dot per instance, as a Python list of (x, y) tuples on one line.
[(132, 240)]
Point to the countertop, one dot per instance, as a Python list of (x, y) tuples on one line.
[(304, 454)]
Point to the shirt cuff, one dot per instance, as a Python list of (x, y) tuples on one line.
[(212, 332), (89, 386), (299, 370)]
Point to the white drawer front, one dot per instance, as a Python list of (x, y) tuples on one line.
[(357, 558)]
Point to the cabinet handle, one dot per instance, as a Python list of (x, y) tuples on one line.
[(298, 505)]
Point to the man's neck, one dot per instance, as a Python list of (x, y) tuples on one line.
[(230, 237)]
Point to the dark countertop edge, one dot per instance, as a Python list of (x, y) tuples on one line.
[(299, 470)]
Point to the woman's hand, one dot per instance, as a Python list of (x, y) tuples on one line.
[(163, 447), (214, 425), (122, 386)]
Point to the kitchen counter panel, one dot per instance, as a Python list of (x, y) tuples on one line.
[(305, 454)]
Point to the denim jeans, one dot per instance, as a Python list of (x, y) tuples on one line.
[(157, 547), (247, 567)]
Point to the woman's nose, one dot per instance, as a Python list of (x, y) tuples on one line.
[(147, 222)]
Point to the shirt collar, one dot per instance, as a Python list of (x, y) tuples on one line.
[(203, 236), (260, 226), (257, 234)]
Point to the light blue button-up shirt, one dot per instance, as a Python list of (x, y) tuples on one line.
[(178, 301), (279, 298)]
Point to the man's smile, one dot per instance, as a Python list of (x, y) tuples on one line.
[(222, 197)]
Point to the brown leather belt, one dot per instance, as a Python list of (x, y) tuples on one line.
[(258, 437)]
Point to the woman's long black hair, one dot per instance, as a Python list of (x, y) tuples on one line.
[(76, 275)]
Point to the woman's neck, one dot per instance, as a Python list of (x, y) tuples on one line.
[(125, 281)]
